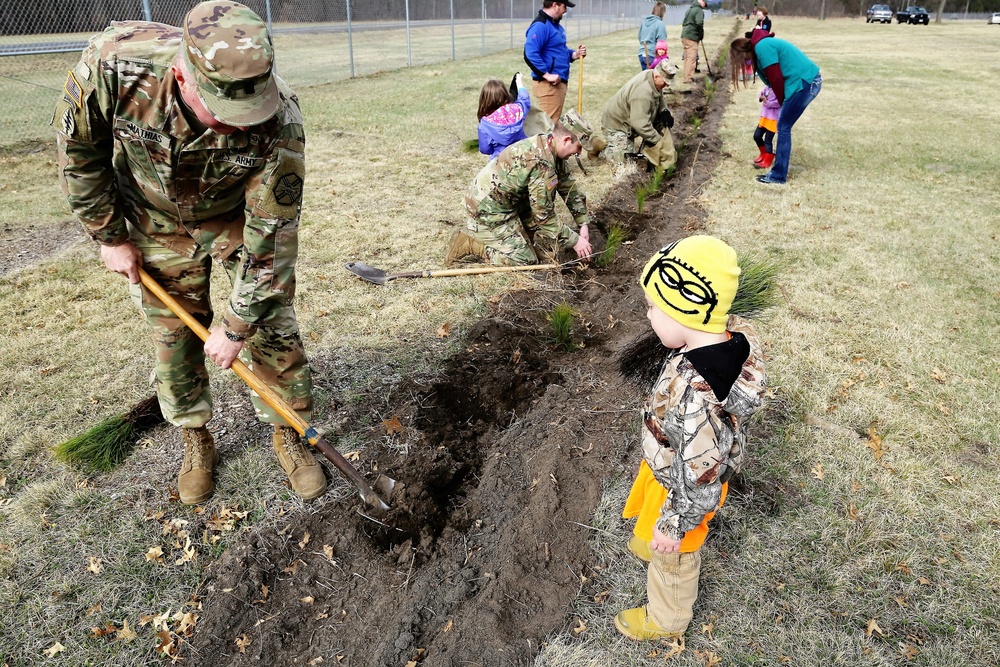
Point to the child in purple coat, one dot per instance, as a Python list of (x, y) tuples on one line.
[(763, 136), (501, 120)]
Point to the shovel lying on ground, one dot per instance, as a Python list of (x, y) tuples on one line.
[(380, 277), (383, 484)]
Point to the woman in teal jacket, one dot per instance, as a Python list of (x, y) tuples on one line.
[(794, 79)]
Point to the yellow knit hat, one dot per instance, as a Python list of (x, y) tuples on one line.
[(694, 280)]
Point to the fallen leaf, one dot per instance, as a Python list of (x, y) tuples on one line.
[(95, 565), (601, 597), (954, 480), (316, 660), (874, 443), (580, 628), (707, 629), (307, 599), (448, 626), (166, 646), (305, 540), (392, 425), (293, 568), (710, 658), (902, 285), (94, 609), (155, 554), (903, 567), (908, 651), (188, 553), (264, 590), (901, 601), (186, 625), (516, 357), (328, 551), (444, 330), (924, 581), (676, 647), (943, 409), (853, 513), (54, 649), (108, 629), (939, 376), (242, 642), (654, 654), (873, 627), (818, 471), (125, 633), (352, 456)]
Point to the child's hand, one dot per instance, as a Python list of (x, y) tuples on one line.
[(663, 544), (517, 80)]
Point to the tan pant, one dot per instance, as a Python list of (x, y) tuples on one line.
[(550, 98), (662, 155), (672, 587), (690, 58)]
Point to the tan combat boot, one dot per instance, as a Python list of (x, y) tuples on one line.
[(194, 483), (597, 146), (463, 245), (304, 473)]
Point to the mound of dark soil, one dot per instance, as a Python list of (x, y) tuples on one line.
[(486, 545)]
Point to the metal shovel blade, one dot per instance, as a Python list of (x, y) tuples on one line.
[(369, 273)]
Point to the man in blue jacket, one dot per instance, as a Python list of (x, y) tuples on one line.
[(547, 55)]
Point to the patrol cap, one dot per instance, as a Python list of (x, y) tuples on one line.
[(229, 54), (575, 123), (666, 69)]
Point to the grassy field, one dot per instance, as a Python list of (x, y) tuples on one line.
[(870, 537), (871, 534)]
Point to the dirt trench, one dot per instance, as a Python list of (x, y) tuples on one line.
[(486, 546)]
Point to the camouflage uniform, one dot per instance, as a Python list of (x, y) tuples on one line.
[(630, 114), (134, 167), (511, 204), (691, 440)]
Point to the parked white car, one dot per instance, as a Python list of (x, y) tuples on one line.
[(995, 19)]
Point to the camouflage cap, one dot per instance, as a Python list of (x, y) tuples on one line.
[(666, 69), (229, 53), (575, 123)]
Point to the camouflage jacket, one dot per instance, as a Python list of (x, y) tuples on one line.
[(127, 151), (527, 174), (693, 441)]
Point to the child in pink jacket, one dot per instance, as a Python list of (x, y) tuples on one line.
[(763, 136), (661, 53)]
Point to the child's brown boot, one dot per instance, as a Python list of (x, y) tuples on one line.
[(305, 474), (194, 483)]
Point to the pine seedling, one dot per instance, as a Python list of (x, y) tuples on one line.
[(106, 445), (616, 236), (561, 317)]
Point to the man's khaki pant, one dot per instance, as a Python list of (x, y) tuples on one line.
[(672, 587), (550, 98), (690, 58)]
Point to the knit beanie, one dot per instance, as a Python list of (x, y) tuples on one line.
[(694, 281)]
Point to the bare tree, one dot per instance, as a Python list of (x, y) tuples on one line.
[(940, 10)]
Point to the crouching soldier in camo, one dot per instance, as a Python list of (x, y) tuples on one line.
[(639, 111), (511, 204), (179, 147)]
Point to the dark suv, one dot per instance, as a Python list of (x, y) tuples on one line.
[(879, 14), (914, 15)]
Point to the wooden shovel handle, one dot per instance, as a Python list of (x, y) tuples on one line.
[(474, 271)]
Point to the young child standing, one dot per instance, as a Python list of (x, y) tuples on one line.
[(661, 53), (694, 424), (763, 136), (501, 119)]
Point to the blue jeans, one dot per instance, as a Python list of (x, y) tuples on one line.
[(790, 112), (642, 63)]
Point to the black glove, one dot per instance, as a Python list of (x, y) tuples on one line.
[(663, 119)]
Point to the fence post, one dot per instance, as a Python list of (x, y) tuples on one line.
[(452, 29), (591, 18), (483, 29), (147, 11), (409, 59), (512, 24), (350, 38)]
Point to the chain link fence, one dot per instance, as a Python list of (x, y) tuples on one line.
[(316, 41)]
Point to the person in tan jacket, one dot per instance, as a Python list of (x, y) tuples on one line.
[(639, 111)]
